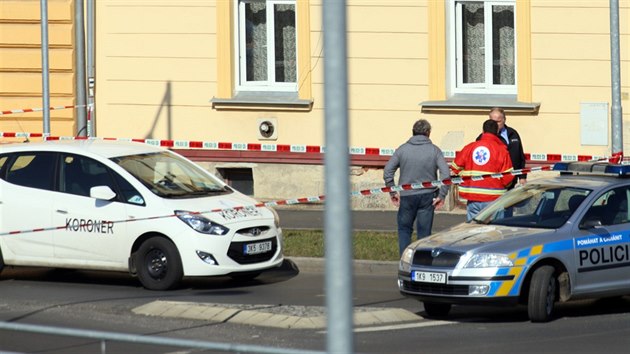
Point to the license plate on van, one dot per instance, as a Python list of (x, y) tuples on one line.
[(256, 248)]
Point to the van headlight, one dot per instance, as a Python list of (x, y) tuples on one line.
[(201, 224), (489, 260), (276, 218)]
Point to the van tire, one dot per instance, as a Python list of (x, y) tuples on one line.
[(543, 291), (158, 264)]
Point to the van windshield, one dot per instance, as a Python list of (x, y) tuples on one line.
[(171, 176)]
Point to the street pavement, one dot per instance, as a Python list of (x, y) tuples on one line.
[(296, 317)]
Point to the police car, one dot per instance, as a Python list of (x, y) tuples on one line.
[(125, 206), (554, 239)]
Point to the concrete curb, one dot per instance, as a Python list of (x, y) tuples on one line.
[(275, 316)]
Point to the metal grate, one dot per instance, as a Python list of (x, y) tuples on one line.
[(435, 289), (444, 259)]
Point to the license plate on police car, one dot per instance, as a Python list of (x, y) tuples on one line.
[(255, 248), (428, 277)]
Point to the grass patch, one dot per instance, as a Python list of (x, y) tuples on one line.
[(369, 245)]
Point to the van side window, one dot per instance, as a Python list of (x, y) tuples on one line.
[(35, 170), (129, 193), (79, 174)]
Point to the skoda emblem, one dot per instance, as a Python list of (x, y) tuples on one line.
[(255, 231), (436, 252)]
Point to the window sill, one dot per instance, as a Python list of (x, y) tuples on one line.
[(478, 102), (262, 101)]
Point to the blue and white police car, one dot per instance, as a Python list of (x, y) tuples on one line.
[(554, 239), (125, 206)]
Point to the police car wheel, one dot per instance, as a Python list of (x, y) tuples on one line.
[(158, 264), (434, 309), (542, 294)]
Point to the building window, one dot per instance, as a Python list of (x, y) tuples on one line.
[(267, 46), (242, 179), (482, 50)]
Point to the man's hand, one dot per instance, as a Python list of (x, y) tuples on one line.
[(438, 203), (395, 199), (522, 181)]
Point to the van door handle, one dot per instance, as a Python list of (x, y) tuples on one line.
[(62, 211)]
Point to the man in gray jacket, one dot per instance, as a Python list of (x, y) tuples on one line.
[(419, 161)]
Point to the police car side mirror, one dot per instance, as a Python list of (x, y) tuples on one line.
[(102, 192), (592, 223)]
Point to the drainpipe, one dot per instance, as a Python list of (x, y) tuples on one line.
[(79, 40), (45, 73), (91, 110)]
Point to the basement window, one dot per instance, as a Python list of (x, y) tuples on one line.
[(240, 179)]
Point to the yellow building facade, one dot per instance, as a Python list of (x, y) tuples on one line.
[(202, 70)]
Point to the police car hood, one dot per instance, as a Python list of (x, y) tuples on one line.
[(466, 236), (223, 209)]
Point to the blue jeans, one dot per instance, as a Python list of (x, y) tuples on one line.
[(473, 208), (418, 208)]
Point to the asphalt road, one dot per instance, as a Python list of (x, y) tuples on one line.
[(361, 220), (102, 301)]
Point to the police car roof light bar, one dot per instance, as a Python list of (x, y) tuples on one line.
[(592, 167)]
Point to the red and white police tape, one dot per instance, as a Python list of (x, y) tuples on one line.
[(29, 110), (286, 148), (320, 198)]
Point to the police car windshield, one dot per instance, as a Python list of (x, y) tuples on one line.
[(534, 205), (170, 176)]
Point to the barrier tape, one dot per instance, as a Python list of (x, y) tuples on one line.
[(265, 147), (320, 198), (29, 110)]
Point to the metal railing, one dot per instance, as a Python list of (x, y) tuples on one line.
[(105, 337)]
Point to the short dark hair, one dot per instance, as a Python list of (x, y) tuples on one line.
[(490, 126), (422, 127)]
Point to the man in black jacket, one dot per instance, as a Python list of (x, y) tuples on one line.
[(513, 141)]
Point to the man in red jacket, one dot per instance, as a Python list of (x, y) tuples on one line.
[(485, 156)]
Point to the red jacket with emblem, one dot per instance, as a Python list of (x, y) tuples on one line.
[(485, 156)]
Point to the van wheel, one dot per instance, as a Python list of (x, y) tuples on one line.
[(542, 294), (436, 309), (158, 264)]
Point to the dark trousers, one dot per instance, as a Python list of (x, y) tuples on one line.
[(418, 208)]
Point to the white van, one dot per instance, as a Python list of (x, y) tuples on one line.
[(125, 206)]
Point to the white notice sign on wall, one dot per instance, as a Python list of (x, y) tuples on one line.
[(594, 123)]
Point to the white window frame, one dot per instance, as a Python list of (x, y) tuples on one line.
[(454, 52), (240, 60)]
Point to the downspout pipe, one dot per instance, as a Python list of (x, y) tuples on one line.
[(79, 50), (45, 68)]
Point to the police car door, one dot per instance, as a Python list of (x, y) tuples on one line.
[(90, 236), (602, 245)]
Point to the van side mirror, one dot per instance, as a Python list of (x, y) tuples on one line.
[(102, 192)]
